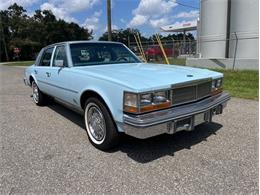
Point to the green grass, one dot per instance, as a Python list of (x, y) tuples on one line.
[(19, 63), (175, 61), (241, 83)]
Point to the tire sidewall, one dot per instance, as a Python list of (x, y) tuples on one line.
[(41, 98), (88, 106), (34, 85), (111, 134)]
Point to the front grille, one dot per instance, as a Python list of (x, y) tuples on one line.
[(191, 92), (184, 94), (204, 89)]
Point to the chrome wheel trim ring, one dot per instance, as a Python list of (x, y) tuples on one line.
[(35, 92), (95, 123)]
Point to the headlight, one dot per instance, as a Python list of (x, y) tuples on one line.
[(161, 97), (130, 102), (146, 99), (145, 102), (217, 86)]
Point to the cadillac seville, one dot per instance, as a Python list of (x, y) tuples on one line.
[(117, 93)]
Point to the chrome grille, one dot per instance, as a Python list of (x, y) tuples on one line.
[(189, 92), (184, 94), (203, 89)]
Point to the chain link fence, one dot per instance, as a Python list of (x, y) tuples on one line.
[(173, 49), (239, 51)]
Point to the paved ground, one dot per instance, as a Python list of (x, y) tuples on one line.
[(46, 150)]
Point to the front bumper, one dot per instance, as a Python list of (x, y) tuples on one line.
[(175, 119)]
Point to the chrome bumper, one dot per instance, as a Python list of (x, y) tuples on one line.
[(175, 119)]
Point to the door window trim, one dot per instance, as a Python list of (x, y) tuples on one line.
[(42, 55), (52, 59)]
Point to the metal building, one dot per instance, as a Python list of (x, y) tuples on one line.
[(228, 34)]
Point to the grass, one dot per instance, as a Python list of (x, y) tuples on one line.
[(241, 83), (18, 63), (175, 61)]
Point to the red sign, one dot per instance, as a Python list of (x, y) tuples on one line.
[(17, 50)]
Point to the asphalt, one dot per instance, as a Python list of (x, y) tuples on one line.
[(46, 150)]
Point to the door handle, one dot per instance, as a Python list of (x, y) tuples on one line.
[(35, 71), (48, 74)]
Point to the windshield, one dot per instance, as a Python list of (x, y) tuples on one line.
[(85, 54)]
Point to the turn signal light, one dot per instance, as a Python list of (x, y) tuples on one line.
[(155, 107), (130, 109), (216, 91)]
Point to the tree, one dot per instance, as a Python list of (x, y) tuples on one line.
[(171, 37), (4, 34), (30, 34), (126, 36), (123, 36)]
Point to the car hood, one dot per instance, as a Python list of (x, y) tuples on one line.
[(143, 76)]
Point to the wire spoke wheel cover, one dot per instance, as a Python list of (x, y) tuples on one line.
[(95, 123), (35, 92)]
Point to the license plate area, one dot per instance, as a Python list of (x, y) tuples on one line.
[(199, 118), (183, 124), (188, 123)]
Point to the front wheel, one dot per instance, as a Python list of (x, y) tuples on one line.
[(100, 126), (38, 97)]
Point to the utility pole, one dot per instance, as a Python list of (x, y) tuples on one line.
[(109, 28)]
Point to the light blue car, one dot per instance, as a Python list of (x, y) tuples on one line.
[(117, 93)]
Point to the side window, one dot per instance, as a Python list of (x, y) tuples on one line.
[(46, 57), (39, 57), (60, 57)]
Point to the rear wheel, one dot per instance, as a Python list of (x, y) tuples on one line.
[(100, 126), (38, 97)]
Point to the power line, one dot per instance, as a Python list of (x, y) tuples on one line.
[(185, 5)]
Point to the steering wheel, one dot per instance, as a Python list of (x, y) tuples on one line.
[(121, 59)]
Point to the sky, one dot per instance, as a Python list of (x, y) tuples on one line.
[(145, 15)]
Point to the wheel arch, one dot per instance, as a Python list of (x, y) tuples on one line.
[(113, 134), (92, 93), (31, 79)]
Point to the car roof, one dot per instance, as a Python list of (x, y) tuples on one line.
[(83, 41)]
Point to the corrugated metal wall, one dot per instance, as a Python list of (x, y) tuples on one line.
[(213, 18), (213, 29), (244, 21)]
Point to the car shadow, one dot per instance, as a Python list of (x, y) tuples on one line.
[(147, 150), (67, 113)]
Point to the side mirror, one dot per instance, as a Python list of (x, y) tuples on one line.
[(59, 63)]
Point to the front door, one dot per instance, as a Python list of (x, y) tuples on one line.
[(61, 76), (41, 71)]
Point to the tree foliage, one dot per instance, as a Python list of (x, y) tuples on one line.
[(31, 33), (126, 36), (123, 35)]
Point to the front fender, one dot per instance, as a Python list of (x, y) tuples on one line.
[(34, 78), (30, 74), (112, 96)]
